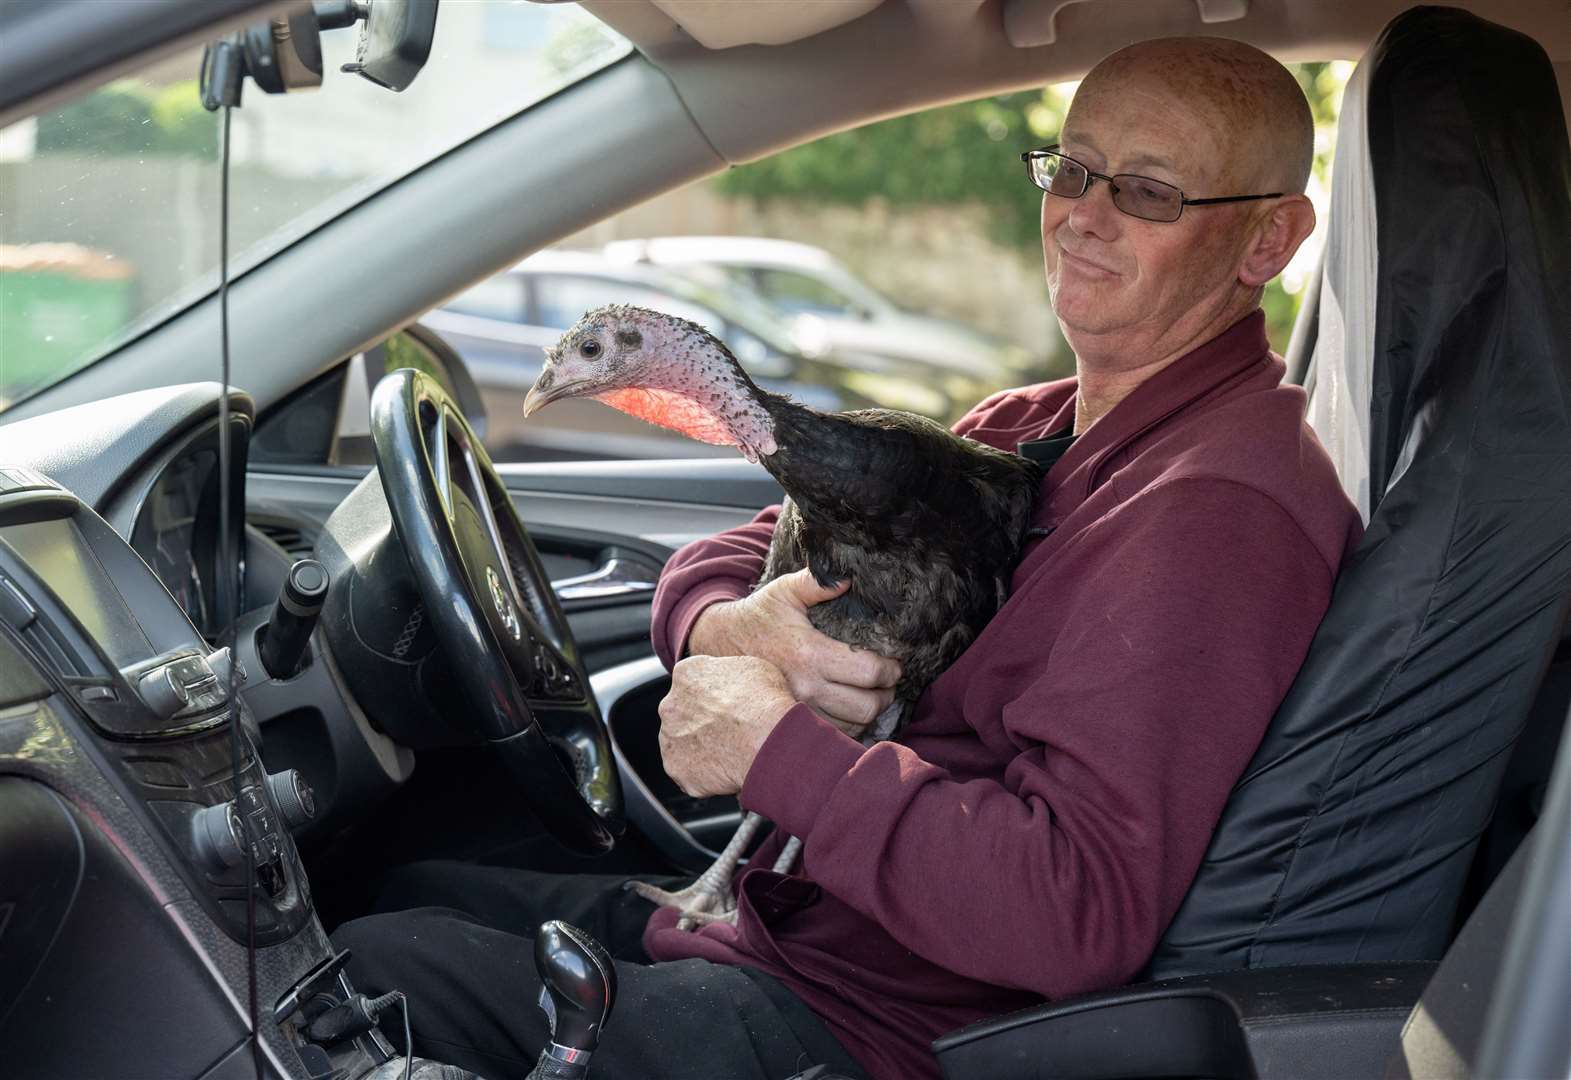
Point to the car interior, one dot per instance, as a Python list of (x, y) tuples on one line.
[(257, 648)]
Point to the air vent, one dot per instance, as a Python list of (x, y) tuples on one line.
[(298, 543)]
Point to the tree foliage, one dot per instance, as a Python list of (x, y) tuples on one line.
[(129, 118), (969, 154), (966, 153)]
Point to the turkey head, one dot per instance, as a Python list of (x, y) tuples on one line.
[(661, 369)]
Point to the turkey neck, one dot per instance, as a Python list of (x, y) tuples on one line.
[(847, 472), (806, 441)]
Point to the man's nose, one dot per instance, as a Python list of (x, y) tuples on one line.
[(1094, 213)]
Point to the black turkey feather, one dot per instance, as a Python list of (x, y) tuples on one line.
[(926, 525)]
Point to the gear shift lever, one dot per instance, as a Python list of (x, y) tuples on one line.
[(578, 988)]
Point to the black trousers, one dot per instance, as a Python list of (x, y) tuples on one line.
[(456, 938)]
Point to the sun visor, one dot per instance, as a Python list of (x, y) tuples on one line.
[(1343, 357), (724, 24)]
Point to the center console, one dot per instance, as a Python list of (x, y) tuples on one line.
[(129, 928)]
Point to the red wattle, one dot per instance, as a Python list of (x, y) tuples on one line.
[(671, 410)]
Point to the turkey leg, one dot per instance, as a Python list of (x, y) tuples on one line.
[(709, 898), (788, 854)]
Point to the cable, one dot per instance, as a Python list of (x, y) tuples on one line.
[(409, 1044), (230, 577), (357, 1015)]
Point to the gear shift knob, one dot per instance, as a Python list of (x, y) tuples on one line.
[(578, 988)]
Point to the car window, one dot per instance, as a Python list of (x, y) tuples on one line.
[(328, 421), (109, 203), (495, 298), (933, 208), (562, 299), (798, 292)]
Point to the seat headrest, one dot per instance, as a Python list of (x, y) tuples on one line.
[(1460, 151)]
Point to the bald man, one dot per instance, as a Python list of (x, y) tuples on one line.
[(1039, 820)]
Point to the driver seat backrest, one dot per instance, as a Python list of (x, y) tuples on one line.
[(1350, 834)]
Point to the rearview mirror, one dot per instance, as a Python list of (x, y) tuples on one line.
[(395, 41)]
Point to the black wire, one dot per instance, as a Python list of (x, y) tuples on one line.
[(376, 1005), (230, 579), (409, 1046)]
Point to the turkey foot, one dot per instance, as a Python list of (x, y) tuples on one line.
[(699, 903), (707, 900)]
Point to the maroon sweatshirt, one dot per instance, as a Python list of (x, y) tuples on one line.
[(1034, 829)]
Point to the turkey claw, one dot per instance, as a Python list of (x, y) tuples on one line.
[(700, 905), (692, 920)]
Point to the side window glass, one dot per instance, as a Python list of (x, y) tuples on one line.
[(798, 292), (897, 265), (328, 422), (501, 297), (561, 300)]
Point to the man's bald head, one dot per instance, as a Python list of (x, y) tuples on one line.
[(1216, 119), (1257, 116)]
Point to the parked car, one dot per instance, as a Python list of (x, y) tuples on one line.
[(503, 325), (810, 282)]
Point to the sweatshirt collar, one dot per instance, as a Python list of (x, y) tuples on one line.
[(1239, 351)]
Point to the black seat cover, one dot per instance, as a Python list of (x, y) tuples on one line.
[(1352, 830)]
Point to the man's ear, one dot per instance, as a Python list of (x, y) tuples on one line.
[(1276, 239)]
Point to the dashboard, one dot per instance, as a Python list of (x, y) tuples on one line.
[(136, 821), (117, 758)]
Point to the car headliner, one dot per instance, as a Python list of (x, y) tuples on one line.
[(688, 111)]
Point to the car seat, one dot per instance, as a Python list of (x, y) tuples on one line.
[(1441, 372), (1351, 833)]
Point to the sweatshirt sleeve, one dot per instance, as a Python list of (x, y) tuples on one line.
[(1130, 727), (708, 571)]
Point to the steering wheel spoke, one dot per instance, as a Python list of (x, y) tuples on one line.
[(438, 452)]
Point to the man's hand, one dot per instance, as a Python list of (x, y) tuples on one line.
[(718, 713), (848, 687)]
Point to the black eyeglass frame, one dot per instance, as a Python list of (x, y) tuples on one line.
[(1051, 150)]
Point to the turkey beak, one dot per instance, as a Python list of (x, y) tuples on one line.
[(539, 394), (546, 390)]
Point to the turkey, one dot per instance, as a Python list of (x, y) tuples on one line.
[(926, 525)]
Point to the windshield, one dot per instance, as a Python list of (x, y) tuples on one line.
[(109, 205)]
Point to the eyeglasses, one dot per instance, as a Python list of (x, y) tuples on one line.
[(1137, 196)]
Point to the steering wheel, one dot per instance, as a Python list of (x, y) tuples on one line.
[(493, 611)]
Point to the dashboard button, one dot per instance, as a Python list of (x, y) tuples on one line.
[(295, 799), (216, 834), (163, 691)]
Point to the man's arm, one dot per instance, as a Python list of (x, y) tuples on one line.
[(706, 572), (704, 607), (1130, 732)]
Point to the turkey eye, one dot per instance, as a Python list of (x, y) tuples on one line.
[(589, 349)]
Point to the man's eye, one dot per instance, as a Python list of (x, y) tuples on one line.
[(589, 349)]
